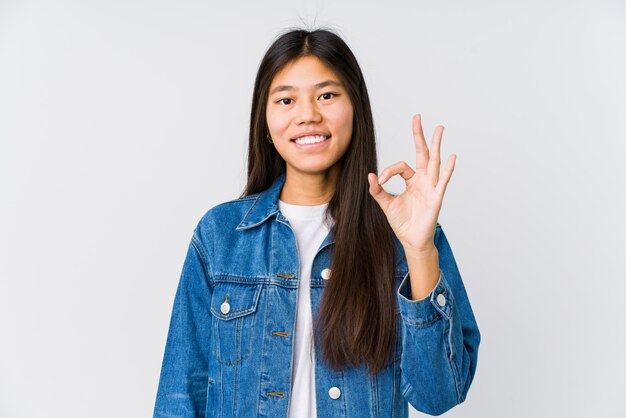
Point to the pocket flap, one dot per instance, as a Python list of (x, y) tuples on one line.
[(238, 299)]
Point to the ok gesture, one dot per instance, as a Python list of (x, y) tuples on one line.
[(413, 214)]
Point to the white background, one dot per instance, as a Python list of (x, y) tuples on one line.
[(123, 122)]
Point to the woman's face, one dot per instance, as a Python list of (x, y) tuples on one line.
[(307, 100)]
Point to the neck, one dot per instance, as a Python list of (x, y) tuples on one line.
[(308, 189)]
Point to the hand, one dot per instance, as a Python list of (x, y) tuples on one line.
[(413, 214)]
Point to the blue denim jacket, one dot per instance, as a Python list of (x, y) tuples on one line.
[(230, 340)]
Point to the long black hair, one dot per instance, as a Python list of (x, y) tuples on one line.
[(357, 319)]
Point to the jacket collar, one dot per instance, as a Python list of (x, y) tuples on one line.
[(264, 206)]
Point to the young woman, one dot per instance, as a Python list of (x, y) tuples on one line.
[(316, 292)]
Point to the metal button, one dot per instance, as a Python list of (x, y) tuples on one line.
[(326, 274), (334, 392), (225, 308), (441, 300)]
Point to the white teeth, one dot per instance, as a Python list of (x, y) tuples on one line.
[(310, 139)]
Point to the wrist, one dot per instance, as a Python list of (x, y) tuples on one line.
[(418, 252), (423, 267)]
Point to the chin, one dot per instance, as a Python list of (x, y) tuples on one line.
[(317, 169), (312, 169)]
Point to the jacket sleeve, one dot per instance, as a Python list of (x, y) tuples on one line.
[(440, 339), (182, 390)]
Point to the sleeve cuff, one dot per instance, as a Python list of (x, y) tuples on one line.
[(422, 312)]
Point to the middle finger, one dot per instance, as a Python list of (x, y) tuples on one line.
[(435, 151)]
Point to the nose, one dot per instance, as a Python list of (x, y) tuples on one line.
[(308, 112)]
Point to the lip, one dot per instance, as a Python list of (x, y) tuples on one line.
[(310, 133), (313, 146)]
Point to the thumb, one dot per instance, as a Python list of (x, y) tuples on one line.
[(378, 193)]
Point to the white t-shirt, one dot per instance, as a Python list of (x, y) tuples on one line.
[(310, 230)]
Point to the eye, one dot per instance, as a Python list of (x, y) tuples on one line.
[(281, 101), (326, 94)]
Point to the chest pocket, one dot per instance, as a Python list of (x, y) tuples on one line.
[(234, 306)]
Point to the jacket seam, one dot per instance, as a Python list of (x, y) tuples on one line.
[(374, 393), (455, 372), (237, 373), (262, 369), (448, 340), (195, 241), (423, 324), (407, 388)]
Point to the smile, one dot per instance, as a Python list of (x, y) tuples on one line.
[(313, 141)]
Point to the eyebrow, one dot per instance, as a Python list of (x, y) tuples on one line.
[(317, 86)]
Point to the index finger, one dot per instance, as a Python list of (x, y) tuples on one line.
[(421, 149)]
